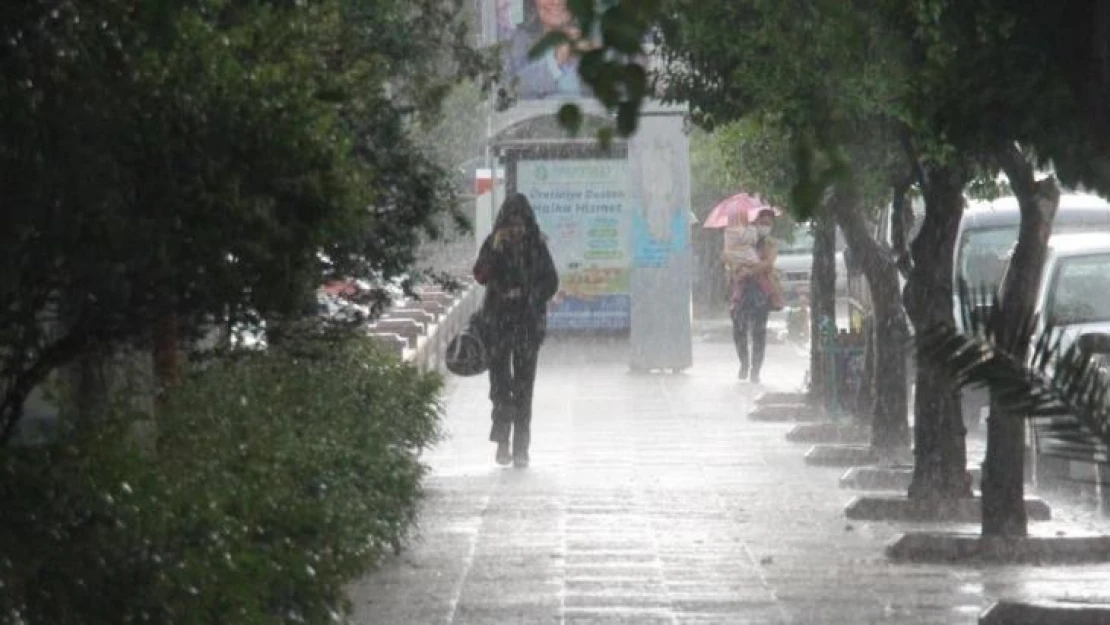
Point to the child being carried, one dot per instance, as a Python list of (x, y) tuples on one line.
[(740, 241), (741, 256)]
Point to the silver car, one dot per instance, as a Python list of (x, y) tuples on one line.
[(988, 232), (1073, 301), (795, 263)]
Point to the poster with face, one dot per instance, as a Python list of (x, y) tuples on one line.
[(508, 15), (552, 75)]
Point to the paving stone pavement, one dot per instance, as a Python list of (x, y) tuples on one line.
[(652, 499)]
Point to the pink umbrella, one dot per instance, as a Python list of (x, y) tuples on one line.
[(741, 203)]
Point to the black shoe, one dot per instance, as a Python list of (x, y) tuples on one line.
[(504, 458), (520, 461), (755, 377), (743, 372)]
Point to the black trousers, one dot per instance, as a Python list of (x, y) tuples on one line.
[(750, 320), (512, 379)]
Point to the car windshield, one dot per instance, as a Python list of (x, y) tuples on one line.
[(802, 243), (983, 255), (985, 252), (1080, 291)]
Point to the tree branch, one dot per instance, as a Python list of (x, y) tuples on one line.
[(915, 161), (1019, 170), (24, 382), (844, 207), (898, 225)]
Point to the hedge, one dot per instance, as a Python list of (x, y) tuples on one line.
[(273, 480)]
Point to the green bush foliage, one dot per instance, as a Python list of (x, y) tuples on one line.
[(274, 479)]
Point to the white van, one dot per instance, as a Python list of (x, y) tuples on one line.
[(988, 231), (1073, 301)]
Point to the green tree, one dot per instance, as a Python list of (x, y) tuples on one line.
[(182, 163), (965, 80), (813, 69), (1024, 94)]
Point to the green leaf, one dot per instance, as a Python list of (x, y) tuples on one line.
[(332, 95), (549, 41), (620, 32), (605, 137), (592, 65), (628, 118), (570, 118), (584, 12), (607, 87), (636, 81)]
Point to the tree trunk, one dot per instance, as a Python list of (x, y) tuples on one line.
[(166, 353), (1003, 467), (870, 386), (822, 293), (712, 292), (901, 219), (940, 452), (890, 429), (890, 436), (862, 314), (89, 380), (18, 384)]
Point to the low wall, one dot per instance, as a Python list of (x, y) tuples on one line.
[(430, 349), (450, 313)]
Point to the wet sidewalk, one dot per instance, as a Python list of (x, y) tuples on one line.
[(653, 499)]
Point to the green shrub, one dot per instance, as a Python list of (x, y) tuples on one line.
[(275, 479)]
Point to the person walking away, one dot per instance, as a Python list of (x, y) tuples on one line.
[(516, 268), (754, 293)]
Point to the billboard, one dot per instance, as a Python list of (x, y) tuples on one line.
[(517, 26), (583, 207)]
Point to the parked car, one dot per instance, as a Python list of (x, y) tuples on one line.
[(1074, 296), (795, 263), (988, 232), (1073, 301)]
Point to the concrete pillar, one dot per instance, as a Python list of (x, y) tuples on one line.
[(662, 306)]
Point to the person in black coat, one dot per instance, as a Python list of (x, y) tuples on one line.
[(516, 268)]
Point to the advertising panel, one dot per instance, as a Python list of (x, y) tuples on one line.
[(518, 27), (583, 207)]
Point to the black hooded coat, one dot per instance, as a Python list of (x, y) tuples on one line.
[(503, 267)]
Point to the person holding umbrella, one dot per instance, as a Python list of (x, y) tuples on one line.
[(753, 290)]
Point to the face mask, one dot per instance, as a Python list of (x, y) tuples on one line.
[(763, 230)]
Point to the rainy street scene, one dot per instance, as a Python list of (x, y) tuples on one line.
[(554, 312)]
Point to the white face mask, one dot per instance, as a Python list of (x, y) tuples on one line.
[(763, 230)]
